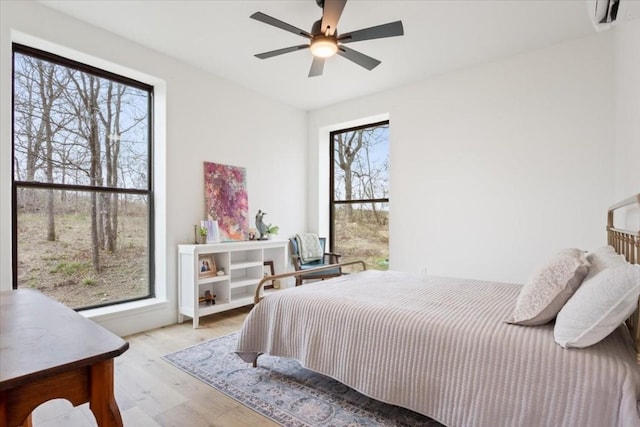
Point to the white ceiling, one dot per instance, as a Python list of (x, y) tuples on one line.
[(440, 36)]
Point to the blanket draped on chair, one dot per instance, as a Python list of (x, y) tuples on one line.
[(309, 247)]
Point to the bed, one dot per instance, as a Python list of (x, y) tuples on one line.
[(443, 347)]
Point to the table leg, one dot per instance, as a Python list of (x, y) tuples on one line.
[(4, 413), (28, 422), (101, 398)]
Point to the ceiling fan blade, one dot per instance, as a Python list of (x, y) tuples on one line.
[(392, 29), (265, 55), (331, 11), (259, 16), (359, 58), (316, 67)]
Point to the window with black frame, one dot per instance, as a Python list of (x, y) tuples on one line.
[(82, 192), (359, 196)]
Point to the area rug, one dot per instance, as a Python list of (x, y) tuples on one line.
[(282, 390)]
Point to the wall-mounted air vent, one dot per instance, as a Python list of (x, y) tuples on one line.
[(603, 13)]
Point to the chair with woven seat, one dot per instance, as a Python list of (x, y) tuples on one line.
[(322, 258)]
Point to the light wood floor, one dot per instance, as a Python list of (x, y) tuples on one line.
[(150, 392)]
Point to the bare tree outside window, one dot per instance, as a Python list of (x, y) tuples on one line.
[(82, 193), (359, 194)]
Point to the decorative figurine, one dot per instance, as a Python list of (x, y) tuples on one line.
[(261, 226), (208, 298)]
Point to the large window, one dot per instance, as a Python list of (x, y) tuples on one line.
[(359, 217), (82, 190)]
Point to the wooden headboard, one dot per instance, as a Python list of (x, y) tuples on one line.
[(627, 243)]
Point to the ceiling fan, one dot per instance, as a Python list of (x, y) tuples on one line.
[(324, 40)]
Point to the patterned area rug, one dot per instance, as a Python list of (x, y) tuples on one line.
[(282, 390)]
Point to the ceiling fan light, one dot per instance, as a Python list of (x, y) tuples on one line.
[(323, 46)]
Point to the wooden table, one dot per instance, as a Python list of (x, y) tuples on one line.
[(49, 351)]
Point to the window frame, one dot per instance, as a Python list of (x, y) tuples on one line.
[(332, 201), (18, 48)]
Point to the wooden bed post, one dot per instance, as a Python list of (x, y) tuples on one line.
[(627, 243)]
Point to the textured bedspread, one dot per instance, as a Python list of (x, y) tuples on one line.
[(439, 346)]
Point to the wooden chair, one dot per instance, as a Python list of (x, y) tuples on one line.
[(327, 258)]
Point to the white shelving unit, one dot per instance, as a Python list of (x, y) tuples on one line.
[(243, 266)]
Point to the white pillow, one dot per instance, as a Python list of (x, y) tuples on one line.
[(603, 257), (598, 307)]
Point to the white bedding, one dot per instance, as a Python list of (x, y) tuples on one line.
[(440, 346)]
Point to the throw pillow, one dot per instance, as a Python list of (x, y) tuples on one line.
[(549, 288), (601, 304), (602, 258)]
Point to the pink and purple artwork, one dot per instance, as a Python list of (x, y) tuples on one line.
[(226, 199)]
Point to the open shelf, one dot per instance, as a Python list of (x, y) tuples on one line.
[(213, 279), (247, 264), (244, 282), (243, 264)]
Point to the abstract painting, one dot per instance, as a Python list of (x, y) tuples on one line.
[(226, 199)]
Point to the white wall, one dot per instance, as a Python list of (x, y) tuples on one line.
[(496, 167), (627, 78), (207, 119), (493, 168)]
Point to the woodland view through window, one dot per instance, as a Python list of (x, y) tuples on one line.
[(359, 217), (82, 191)]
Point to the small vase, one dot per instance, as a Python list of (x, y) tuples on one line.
[(199, 239)]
